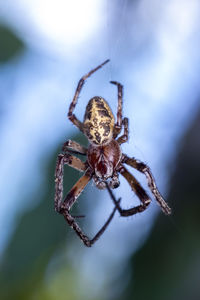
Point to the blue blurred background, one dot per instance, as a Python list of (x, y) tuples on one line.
[(45, 47)]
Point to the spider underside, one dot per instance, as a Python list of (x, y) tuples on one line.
[(104, 160)]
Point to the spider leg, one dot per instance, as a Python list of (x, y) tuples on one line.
[(118, 124), (140, 192), (124, 138), (63, 159), (81, 82), (74, 147), (63, 207), (143, 168), (68, 203), (75, 192), (73, 224)]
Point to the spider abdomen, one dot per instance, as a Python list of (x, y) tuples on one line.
[(98, 121), (104, 159)]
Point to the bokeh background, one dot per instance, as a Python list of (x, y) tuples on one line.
[(45, 47)]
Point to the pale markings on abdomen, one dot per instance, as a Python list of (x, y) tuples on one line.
[(98, 121)]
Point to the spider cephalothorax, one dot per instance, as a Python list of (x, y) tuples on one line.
[(104, 160)]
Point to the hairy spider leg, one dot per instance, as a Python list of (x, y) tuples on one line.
[(73, 224), (143, 168), (63, 207), (140, 192), (63, 159), (124, 138), (74, 147), (118, 124), (75, 192), (81, 82)]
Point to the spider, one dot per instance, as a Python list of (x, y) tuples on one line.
[(104, 160)]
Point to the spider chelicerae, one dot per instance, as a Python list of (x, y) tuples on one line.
[(104, 160)]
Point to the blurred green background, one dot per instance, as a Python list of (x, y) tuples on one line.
[(41, 257)]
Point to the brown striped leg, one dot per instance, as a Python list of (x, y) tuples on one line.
[(118, 125), (81, 82), (88, 242), (140, 166), (140, 192), (63, 207), (124, 138), (75, 192), (74, 147), (68, 203), (59, 173), (70, 199)]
